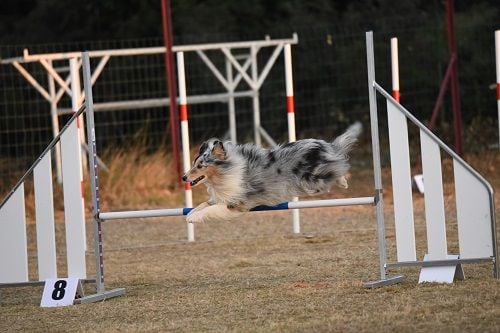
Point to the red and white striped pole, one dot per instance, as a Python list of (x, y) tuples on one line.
[(497, 57), (188, 194), (290, 105), (395, 69), (290, 109)]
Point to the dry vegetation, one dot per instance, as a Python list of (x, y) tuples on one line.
[(255, 275)]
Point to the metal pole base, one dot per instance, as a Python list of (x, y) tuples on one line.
[(100, 296), (386, 282)]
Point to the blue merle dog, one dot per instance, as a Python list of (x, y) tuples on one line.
[(240, 177)]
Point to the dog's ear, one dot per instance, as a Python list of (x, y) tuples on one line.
[(203, 147), (218, 150)]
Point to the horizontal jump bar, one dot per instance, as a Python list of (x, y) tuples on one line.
[(130, 214)]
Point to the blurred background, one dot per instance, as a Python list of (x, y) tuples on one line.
[(329, 65)]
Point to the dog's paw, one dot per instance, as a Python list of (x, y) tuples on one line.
[(342, 182)]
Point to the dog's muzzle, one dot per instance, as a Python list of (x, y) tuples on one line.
[(193, 182)]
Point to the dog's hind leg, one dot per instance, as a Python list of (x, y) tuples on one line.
[(218, 212)]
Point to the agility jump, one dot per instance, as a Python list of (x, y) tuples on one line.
[(474, 195), (254, 81)]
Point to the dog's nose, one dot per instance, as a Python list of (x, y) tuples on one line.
[(184, 178)]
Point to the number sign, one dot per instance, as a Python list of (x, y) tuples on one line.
[(59, 292)]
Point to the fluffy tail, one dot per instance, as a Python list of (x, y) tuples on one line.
[(345, 142)]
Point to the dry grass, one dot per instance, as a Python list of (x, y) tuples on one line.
[(137, 179), (255, 275)]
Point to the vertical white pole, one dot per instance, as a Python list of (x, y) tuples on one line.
[(290, 109), (55, 124), (76, 92), (93, 174), (377, 169), (188, 194), (230, 103), (76, 98), (256, 103), (497, 56), (395, 69), (73, 188)]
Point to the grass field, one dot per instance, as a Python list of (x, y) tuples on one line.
[(254, 275)]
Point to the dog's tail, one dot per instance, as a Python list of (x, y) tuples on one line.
[(345, 142)]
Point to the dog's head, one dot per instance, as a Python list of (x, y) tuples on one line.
[(205, 165)]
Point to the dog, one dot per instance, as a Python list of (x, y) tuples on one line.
[(240, 177)]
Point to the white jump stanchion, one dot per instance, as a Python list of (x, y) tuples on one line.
[(474, 200), (497, 62), (290, 111), (186, 161), (13, 238), (395, 69)]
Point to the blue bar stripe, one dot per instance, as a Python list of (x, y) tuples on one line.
[(281, 206)]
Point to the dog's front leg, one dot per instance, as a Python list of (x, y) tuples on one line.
[(199, 207), (218, 212)]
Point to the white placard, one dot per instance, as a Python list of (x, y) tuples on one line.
[(441, 274), (59, 292), (419, 182)]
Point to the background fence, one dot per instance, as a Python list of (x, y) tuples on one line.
[(329, 82)]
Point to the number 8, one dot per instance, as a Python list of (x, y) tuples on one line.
[(59, 291)]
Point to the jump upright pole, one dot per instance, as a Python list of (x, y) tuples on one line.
[(290, 111), (101, 292), (497, 61), (377, 170), (395, 69), (186, 161)]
